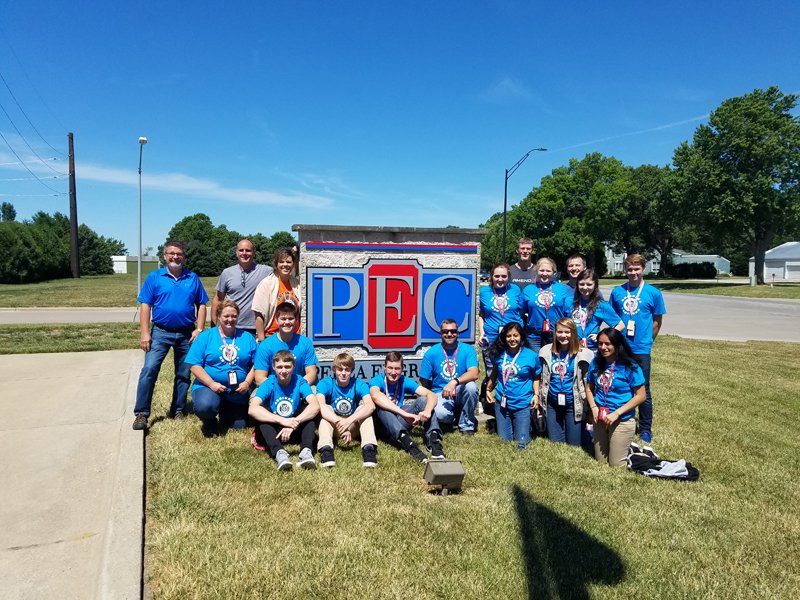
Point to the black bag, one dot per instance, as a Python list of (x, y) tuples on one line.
[(538, 421), (646, 462)]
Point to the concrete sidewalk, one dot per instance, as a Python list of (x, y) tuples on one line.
[(72, 476)]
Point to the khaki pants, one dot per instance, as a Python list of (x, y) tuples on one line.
[(364, 430), (611, 443)]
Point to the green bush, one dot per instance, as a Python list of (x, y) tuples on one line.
[(703, 270)]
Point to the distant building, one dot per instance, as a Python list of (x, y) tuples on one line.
[(615, 263), (781, 262), (722, 264), (128, 264)]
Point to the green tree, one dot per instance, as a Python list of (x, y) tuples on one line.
[(743, 168), (8, 212)]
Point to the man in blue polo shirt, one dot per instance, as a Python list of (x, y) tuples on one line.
[(450, 370), (642, 310), (175, 299)]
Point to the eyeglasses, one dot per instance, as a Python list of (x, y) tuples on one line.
[(173, 253), (449, 331)]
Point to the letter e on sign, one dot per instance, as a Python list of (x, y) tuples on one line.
[(393, 305)]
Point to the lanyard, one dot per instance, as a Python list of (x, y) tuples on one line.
[(396, 393), (501, 302), (608, 380), (450, 365), (508, 367), (546, 296), (563, 366), (631, 305), (228, 350)]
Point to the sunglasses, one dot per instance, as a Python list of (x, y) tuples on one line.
[(449, 331)]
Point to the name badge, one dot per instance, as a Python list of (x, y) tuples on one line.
[(546, 326), (503, 401), (562, 399), (631, 328), (233, 379)]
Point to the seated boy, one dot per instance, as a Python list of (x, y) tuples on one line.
[(395, 418), (277, 405), (345, 406)]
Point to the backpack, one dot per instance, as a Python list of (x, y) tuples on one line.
[(646, 462)]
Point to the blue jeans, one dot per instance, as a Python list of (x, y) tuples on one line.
[(160, 343), (537, 339), (646, 408), (513, 424), (230, 406), (561, 425), (464, 403), (390, 425)]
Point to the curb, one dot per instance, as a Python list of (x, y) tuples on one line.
[(122, 564)]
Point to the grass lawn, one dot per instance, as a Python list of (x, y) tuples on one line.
[(547, 522), (93, 291), (789, 291), (69, 337)]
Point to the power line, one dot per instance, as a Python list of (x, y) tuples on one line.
[(24, 72), (31, 195), (9, 164), (26, 116), (14, 152), (32, 178), (36, 154)]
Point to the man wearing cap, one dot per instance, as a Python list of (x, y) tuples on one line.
[(286, 339), (239, 283), (450, 370), (174, 298)]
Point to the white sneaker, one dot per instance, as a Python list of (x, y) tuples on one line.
[(282, 458), (306, 459)]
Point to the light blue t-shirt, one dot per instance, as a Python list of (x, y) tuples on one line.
[(603, 313), (545, 302), (343, 400), (493, 302), (615, 386), (519, 375), (440, 366), (641, 310), (300, 346), (405, 386), (207, 351), (284, 401)]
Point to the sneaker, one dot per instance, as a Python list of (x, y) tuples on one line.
[(306, 459), (179, 416), (407, 444), (326, 458), (418, 454), (254, 442), (435, 446), (369, 454), (140, 422), (646, 437), (209, 429), (282, 458)]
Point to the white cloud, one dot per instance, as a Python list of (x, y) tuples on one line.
[(506, 91)]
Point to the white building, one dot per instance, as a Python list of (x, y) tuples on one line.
[(781, 263), (128, 264), (615, 263), (722, 264)]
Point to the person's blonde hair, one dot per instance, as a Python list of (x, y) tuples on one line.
[(344, 360), (574, 344), (227, 303), (635, 259), (547, 260)]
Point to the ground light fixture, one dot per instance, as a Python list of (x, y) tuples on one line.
[(446, 474)]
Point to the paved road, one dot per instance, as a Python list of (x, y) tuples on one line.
[(688, 315), (72, 476)]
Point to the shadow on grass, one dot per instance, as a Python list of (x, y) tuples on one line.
[(560, 559)]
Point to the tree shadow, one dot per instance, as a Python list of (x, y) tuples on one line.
[(560, 559)]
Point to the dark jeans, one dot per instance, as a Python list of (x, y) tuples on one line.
[(537, 339), (230, 406), (645, 409), (390, 426), (303, 435), (160, 343), (561, 425)]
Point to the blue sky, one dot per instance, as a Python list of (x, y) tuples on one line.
[(268, 113)]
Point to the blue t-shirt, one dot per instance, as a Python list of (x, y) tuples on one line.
[(562, 373), (343, 400), (284, 401), (603, 313), (519, 375), (621, 382), (491, 302), (439, 366), (405, 386), (171, 300), (300, 346), (641, 310), (545, 302), (207, 351)]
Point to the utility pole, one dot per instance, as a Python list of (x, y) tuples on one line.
[(74, 255)]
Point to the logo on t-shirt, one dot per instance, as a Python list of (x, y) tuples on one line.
[(343, 406), (284, 407), (631, 305), (605, 379), (500, 303), (230, 353), (544, 298), (560, 367)]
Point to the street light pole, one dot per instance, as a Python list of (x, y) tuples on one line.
[(142, 142), (509, 173)]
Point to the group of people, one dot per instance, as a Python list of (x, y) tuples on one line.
[(563, 350), (538, 338)]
